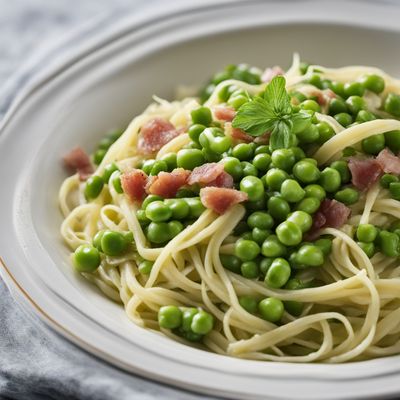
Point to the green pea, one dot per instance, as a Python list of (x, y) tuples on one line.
[(179, 208), (255, 205), (231, 262), (99, 155), (325, 132), (147, 166), (247, 236), (330, 179), (189, 158), (392, 104), (306, 171), (141, 216), (86, 258), (265, 264), (309, 205), (301, 219), (202, 323), (373, 144), (115, 181), (97, 239), (293, 307), (303, 67), (367, 248), (174, 228), (191, 336), (201, 115), (188, 314), (237, 101), (298, 153), (93, 188), (365, 116), (262, 149), (259, 235), (387, 179), (157, 211), (283, 159), (249, 169), (392, 140), (214, 140), (353, 89), (278, 273), (347, 196), (298, 96), (247, 250), (145, 267), (316, 191), (355, 104), (271, 309), (211, 156), (253, 186), (261, 220), (150, 199), (249, 303), (272, 247), (291, 191), (169, 317), (194, 132), (373, 82), (196, 207), (233, 167), (262, 162), (274, 178), (343, 169), (315, 80), (309, 135), (389, 243), (278, 208), (289, 233), (366, 233), (394, 189), (158, 232), (108, 170), (170, 160), (337, 106), (310, 105), (338, 88), (113, 243), (250, 269), (243, 151), (344, 119), (310, 255), (325, 245)]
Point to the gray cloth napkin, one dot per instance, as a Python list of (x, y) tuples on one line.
[(36, 363)]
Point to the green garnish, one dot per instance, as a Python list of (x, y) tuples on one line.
[(271, 112)]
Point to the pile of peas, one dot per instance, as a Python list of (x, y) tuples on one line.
[(189, 322), (163, 219), (240, 72), (87, 257)]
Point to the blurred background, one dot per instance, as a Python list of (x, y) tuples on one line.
[(27, 25)]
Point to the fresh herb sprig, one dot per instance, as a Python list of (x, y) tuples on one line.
[(271, 112)]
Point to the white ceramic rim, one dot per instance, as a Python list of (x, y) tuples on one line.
[(219, 375)]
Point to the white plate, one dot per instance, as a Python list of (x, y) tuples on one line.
[(102, 85)]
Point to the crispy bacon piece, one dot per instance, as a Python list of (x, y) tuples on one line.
[(155, 134), (364, 173), (221, 199), (224, 113), (239, 135), (331, 214), (167, 184), (389, 162), (270, 73), (134, 184), (211, 174), (79, 161)]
